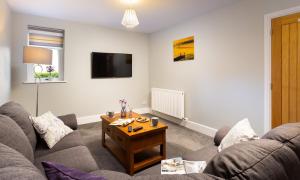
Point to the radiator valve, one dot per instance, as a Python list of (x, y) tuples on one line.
[(185, 119)]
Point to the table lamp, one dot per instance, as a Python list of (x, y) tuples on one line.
[(37, 56)]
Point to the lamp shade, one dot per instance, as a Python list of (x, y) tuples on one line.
[(130, 19), (37, 55)]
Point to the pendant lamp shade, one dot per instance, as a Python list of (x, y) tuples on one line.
[(130, 19)]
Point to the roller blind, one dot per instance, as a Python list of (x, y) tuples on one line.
[(45, 37)]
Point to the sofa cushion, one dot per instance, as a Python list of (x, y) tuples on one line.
[(71, 140), (220, 134), (199, 176), (55, 171), (203, 177), (240, 132), (69, 120), (78, 157), (204, 154), (260, 160), (16, 112), (122, 176), (50, 128), (13, 136), (14, 165), (111, 174), (288, 134)]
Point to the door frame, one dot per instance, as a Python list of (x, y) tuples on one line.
[(268, 62)]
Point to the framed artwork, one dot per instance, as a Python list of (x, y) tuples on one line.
[(183, 49)]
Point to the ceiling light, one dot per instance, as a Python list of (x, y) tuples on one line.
[(130, 20)]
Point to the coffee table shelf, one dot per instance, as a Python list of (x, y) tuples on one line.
[(147, 162)]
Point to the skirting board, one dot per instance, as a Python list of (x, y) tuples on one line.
[(89, 119), (199, 128), (96, 118), (188, 124)]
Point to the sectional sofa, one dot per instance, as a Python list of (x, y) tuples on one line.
[(275, 156)]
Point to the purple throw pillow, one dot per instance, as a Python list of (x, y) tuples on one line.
[(56, 171)]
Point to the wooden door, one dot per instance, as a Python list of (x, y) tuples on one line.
[(285, 70)]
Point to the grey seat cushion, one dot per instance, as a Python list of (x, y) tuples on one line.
[(289, 134), (78, 157), (16, 112), (259, 160), (14, 165), (111, 174), (13, 136), (69, 120), (204, 176), (204, 154), (122, 176), (71, 140), (177, 177)]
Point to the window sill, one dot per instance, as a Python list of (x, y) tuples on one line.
[(44, 82)]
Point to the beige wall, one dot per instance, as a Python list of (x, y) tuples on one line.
[(225, 82), (81, 94), (5, 29)]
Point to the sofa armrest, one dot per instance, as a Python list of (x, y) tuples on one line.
[(69, 120), (220, 134)]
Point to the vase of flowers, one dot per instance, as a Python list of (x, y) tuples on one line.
[(130, 111), (50, 69), (123, 103)]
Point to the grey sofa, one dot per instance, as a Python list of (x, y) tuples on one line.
[(208, 152), (276, 156), (22, 151)]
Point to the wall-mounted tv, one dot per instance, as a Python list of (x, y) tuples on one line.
[(109, 65)]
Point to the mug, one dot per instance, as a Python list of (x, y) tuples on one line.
[(129, 128), (154, 121), (110, 114)]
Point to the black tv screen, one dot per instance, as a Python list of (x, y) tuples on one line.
[(106, 65)]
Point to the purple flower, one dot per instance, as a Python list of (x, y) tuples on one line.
[(123, 102), (50, 69)]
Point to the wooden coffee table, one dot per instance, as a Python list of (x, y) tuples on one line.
[(135, 150)]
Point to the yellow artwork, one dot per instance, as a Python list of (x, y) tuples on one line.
[(183, 49)]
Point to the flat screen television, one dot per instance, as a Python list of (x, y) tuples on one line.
[(109, 65)]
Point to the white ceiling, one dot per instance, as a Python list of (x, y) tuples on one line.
[(153, 15)]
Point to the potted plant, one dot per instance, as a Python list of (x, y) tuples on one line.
[(123, 103)]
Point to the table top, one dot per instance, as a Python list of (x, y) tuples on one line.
[(147, 128)]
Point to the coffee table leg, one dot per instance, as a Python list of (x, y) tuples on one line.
[(130, 160), (163, 148), (103, 138)]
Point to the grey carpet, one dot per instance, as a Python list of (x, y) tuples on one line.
[(180, 140)]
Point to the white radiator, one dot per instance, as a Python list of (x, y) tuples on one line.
[(169, 102)]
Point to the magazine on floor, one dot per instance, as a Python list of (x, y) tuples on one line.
[(180, 166)]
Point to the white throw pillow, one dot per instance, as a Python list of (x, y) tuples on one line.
[(50, 128), (240, 132)]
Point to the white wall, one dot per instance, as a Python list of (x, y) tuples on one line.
[(225, 82), (81, 94), (5, 38)]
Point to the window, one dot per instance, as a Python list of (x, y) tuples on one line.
[(52, 39)]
